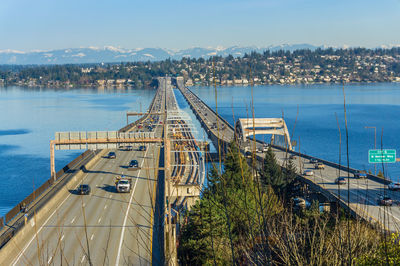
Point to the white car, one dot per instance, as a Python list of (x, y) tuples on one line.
[(394, 186), (308, 172)]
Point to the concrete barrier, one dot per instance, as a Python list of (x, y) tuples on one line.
[(18, 241)]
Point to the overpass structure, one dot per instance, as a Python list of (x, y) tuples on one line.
[(276, 127), (57, 226), (361, 199)]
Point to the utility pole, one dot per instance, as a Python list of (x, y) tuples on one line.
[(374, 143)]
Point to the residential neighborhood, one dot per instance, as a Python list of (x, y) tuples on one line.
[(279, 67)]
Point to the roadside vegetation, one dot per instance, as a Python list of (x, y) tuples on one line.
[(247, 217)]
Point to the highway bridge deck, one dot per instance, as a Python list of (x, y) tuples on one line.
[(363, 193), (104, 227)]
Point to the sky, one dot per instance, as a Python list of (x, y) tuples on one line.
[(28, 25)]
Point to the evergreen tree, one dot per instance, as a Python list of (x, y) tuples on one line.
[(271, 174)]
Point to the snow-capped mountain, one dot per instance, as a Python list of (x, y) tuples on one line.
[(110, 54)]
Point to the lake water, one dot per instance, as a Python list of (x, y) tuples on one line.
[(316, 130), (29, 118)]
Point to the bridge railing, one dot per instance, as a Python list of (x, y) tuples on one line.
[(335, 165), (217, 115), (41, 195), (329, 163)]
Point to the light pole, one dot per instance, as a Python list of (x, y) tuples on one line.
[(374, 142)]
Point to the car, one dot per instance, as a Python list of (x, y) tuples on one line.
[(123, 185), (265, 148), (291, 156), (142, 148), (247, 154), (129, 148), (340, 181), (300, 203), (308, 172), (84, 189), (385, 201), (133, 164), (313, 160), (111, 155), (319, 165), (394, 186), (360, 174)]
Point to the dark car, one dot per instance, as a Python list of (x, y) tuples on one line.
[(340, 181), (84, 189), (129, 148), (111, 155), (248, 154), (385, 201), (133, 164), (360, 174), (142, 148), (313, 160)]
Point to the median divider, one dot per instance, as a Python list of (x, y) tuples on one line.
[(26, 226)]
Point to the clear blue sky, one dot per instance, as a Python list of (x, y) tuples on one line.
[(52, 24)]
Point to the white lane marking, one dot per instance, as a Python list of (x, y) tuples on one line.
[(127, 211), (84, 204), (99, 220), (62, 237), (83, 258), (48, 262), (40, 229), (73, 220), (91, 238), (105, 207), (110, 196), (367, 200)]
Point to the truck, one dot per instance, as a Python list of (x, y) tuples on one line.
[(123, 185)]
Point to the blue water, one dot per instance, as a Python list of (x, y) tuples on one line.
[(316, 129), (30, 117)]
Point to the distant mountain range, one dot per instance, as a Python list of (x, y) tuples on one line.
[(110, 54)]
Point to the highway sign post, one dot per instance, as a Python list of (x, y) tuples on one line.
[(382, 156)]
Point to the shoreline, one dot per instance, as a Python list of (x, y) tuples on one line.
[(126, 88)]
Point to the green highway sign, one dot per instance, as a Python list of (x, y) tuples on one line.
[(382, 156)]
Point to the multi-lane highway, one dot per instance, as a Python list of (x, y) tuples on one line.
[(107, 227), (104, 227), (363, 194)]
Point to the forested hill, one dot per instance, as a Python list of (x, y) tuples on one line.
[(302, 66)]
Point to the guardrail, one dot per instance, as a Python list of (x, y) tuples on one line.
[(41, 195), (217, 115), (329, 163), (140, 120), (334, 165)]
